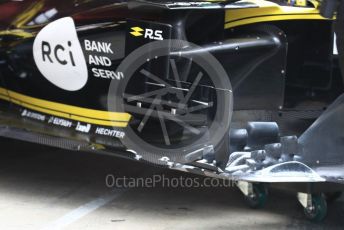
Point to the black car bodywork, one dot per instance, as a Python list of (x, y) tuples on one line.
[(246, 90)]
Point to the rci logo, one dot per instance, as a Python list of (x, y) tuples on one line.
[(59, 56), (146, 33)]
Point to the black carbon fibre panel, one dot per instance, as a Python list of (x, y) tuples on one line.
[(42, 139)]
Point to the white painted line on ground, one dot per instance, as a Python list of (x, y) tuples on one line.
[(81, 211)]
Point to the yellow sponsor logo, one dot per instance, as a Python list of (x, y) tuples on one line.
[(136, 31)]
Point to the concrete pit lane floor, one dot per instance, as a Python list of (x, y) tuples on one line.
[(48, 188)]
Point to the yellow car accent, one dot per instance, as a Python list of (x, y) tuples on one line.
[(4, 97), (136, 31), (28, 14), (270, 11), (67, 111), (3, 91), (17, 32)]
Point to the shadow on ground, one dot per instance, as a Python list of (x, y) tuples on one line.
[(53, 182)]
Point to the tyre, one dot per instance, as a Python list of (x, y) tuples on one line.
[(259, 197), (317, 212), (174, 116), (222, 152)]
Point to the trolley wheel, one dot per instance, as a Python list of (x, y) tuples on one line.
[(318, 210), (259, 196)]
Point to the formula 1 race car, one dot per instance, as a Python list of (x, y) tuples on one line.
[(245, 90)]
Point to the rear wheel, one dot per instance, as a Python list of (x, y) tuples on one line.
[(176, 113)]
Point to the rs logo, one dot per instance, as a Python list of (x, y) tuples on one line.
[(146, 33), (136, 31)]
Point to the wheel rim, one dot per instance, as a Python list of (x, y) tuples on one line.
[(171, 105)]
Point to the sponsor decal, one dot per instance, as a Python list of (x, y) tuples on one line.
[(100, 47), (107, 74), (110, 132), (33, 115), (136, 31), (146, 33), (188, 4), (140, 32), (85, 128), (59, 56), (99, 56), (60, 122)]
